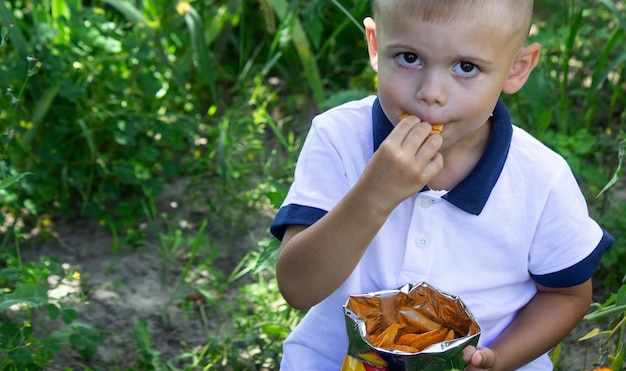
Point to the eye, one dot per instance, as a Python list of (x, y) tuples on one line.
[(466, 69), (408, 59)]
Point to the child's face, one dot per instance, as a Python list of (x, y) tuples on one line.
[(449, 73)]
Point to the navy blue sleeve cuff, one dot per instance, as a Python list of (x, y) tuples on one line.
[(579, 273), (294, 215)]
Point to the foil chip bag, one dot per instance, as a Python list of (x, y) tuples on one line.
[(415, 327)]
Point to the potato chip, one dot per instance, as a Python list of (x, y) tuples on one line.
[(387, 338), (436, 128), (429, 338)]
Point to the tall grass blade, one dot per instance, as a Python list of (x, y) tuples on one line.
[(284, 11), (600, 74), (575, 26), (619, 171), (131, 13), (199, 46), (151, 8), (86, 132), (350, 17), (60, 10)]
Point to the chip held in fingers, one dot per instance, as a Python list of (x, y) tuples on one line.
[(413, 328), (436, 128)]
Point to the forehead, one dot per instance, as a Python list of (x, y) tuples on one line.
[(512, 17)]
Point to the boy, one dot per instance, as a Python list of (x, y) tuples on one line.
[(481, 210)]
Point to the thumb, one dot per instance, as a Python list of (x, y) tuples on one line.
[(480, 358)]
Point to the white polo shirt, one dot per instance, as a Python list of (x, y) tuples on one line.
[(517, 219)]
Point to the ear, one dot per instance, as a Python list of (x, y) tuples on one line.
[(525, 62), (372, 41)]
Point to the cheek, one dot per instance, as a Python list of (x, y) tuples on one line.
[(392, 85), (478, 102), (393, 95)]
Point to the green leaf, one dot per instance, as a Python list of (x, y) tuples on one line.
[(619, 171), (9, 335), (10, 274), (274, 329), (142, 336), (618, 361), (621, 297), (29, 294), (591, 334), (12, 179), (53, 311), (62, 336), (85, 340), (555, 355), (129, 11), (69, 315), (20, 355)]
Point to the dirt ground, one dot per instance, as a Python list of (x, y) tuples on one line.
[(115, 291), (118, 291)]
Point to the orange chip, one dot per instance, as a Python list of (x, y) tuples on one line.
[(416, 322), (408, 339), (373, 338), (436, 128), (451, 336), (388, 337), (431, 337)]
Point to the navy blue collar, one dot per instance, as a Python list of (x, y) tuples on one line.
[(472, 193)]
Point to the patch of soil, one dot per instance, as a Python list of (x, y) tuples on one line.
[(116, 291)]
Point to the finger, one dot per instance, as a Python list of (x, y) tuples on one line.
[(484, 358), (433, 167), (416, 136), (400, 131), (468, 352), (478, 359), (410, 117), (428, 151)]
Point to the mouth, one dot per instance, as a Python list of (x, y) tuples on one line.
[(436, 128)]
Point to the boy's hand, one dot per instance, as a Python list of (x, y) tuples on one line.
[(479, 358), (405, 162)]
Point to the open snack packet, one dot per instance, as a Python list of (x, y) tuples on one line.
[(415, 327)]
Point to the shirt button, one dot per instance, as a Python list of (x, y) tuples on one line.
[(421, 241), (427, 202)]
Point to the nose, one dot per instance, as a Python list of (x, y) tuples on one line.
[(431, 89)]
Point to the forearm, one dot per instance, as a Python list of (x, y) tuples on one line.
[(317, 260), (541, 325)]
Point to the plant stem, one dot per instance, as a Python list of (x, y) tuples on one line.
[(604, 312)]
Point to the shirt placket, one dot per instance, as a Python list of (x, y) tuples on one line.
[(419, 249)]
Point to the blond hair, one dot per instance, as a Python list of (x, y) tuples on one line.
[(512, 16)]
